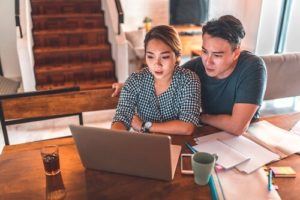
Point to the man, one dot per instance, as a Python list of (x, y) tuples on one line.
[(233, 82)]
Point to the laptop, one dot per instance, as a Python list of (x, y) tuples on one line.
[(138, 154)]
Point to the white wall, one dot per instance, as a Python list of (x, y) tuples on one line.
[(293, 33), (8, 48), (25, 46), (248, 11), (136, 10), (268, 27)]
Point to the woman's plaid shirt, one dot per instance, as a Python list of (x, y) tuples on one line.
[(181, 101)]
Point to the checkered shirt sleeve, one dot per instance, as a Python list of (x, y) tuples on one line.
[(127, 101), (190, 99)]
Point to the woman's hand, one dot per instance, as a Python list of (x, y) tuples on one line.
[(118, 87), (136, 123)]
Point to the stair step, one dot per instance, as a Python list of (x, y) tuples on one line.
[(62, 1), (86, 85), (66, 15), (40, 7), (81, 48), (77, 37), (63, 31), (68, 22), (97, 66), (58, 56), (76, 73)]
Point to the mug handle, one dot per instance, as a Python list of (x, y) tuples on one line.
[(215, 156), (183, 171)]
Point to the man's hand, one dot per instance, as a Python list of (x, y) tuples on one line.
[(237, 123), (118, 87), (136, 123)]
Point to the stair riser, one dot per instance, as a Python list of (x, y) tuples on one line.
[(48, 7), (60, 78), (68, 23), (71, 57), (61, 40)]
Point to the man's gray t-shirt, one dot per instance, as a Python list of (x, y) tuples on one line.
[(246, 84)]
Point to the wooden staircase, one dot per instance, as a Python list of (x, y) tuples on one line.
[(70, 45)]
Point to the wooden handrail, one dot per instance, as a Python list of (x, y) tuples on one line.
[(120, 15), (58, 104), (48, 105)]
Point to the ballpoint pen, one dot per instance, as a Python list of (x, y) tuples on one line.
[(270, 180), (192, 149)]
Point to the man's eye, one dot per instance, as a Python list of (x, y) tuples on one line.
[(165, 57), (218, 56)]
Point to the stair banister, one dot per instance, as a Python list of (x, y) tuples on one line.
[(116, 37)]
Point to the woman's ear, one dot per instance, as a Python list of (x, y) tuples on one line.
[(178, 59)]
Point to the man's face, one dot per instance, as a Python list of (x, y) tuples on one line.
[(218, 57)]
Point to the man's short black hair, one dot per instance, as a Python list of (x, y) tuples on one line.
[(226, 27)]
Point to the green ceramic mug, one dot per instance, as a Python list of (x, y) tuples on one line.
[(202, 164)]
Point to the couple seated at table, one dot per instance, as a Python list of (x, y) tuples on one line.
[(165, 98)]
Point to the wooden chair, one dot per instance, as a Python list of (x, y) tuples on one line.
[(34, 106)]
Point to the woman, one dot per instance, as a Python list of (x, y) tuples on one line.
[(163, 97)]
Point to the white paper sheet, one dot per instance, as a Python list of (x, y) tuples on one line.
[(296, 128), (227, 156), (236, 185), (276, 137), (258, 155)]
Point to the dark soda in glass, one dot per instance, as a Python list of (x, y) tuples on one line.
[(50, 158)]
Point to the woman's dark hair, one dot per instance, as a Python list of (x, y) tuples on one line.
[(226, 27), (166, 34)]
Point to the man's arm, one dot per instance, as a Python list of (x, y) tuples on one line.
[(118, 87), (237, 123)]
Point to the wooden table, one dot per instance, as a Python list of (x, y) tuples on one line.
[(22, 177)]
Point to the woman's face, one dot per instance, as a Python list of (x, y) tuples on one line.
[(160, 59)]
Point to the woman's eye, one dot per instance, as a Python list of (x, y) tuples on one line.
[(165, 57), (150, 57)]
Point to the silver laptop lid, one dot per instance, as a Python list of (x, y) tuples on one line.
[(145, 155)]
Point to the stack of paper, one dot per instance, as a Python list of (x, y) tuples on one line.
[(262, 144), (275, 137), (296, 128), (244, 154), (227, 157)]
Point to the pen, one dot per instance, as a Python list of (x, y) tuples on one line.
[(270, 180), (192, 149)]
